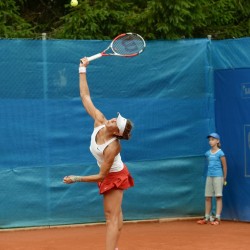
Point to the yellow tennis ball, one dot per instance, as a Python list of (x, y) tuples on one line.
[(225, 183), (74, 3)]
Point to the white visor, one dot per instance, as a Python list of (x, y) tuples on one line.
[(121, 123)]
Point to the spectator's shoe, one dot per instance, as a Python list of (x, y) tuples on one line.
[(216, 222), (202, 221)]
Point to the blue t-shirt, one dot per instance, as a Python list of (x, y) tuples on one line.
[(214, 163)]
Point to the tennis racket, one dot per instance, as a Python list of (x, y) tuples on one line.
[(125, 45)]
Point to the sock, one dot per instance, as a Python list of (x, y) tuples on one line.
[(217, 216), (207, 216)]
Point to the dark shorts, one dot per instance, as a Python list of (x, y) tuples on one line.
[(116, 180)]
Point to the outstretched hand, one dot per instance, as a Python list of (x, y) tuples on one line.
[(68, 179)]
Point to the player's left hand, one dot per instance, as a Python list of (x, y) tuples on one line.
[(68, 180)]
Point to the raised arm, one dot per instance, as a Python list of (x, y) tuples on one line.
[(98, 117)]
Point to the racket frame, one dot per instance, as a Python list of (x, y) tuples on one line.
[(113, 53)]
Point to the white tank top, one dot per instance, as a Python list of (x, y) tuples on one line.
[(97, 151)]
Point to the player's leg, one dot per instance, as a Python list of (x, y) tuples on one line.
[(218, 188), (208, 206), (209, 193), (113, 214), (218, 205), (208, 201), (120, 227)]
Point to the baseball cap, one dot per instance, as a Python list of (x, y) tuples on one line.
[(121, 123), (214, 135)]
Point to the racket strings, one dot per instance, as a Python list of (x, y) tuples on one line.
[(128, 44)]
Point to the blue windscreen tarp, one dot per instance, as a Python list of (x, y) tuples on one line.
[(233, 123), (167, 92)]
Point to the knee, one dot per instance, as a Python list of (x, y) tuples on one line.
[(208, 199), (114, 219), (111, 216), (108, 215)]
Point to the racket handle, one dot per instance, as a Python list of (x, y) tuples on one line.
[(91, 58)]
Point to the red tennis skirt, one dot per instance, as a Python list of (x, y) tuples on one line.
[(116, 180)]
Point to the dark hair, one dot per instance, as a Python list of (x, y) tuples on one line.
[(127, 131)]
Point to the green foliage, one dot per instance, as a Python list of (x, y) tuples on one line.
[(220, 16), (225, 19), (171, 19), (174, 19), (94, 20), (104, 19), (43, 15), (12, 25)]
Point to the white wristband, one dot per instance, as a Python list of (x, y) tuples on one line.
[(76, 178), (82, 69)]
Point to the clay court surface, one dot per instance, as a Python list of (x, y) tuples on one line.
[(170, 235)]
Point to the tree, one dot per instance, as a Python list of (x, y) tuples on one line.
[(174, 19), (95, 20), (12, 25), (43, 15), (171, 19), (156, 19), (104, 19), (221, 16)]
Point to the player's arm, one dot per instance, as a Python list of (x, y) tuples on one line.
[(98, 117), (109, 155), (224, 166)]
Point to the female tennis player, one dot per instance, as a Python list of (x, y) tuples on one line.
[(113, 177)]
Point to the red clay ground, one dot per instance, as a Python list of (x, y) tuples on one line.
[(173, 235)]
